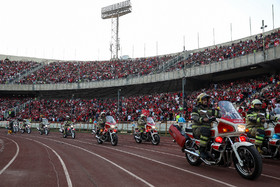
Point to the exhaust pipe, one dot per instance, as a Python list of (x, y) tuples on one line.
[(191, 152), (137, 137)]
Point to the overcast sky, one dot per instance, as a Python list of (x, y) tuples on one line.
[(74, 30)]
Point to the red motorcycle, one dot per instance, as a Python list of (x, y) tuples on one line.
[(109, 133), (150, 133), (271, 144), (226, 144)]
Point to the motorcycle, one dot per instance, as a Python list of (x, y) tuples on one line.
[(226, 144), (45, 129), (109, 133), (26, 128), (271, 144), (150, 133), (70, 131), (15, 126)]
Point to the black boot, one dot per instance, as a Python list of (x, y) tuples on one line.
[(202, 152)]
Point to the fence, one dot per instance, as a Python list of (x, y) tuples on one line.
[(123, 127)]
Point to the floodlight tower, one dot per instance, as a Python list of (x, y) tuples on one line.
[(114, 12)]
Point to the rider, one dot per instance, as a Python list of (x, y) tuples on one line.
[(25, 122), (142, 121), (202, 121), (101, 124), (66, 124), (255, 122)]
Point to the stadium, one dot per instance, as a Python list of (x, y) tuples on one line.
[(166, 85)]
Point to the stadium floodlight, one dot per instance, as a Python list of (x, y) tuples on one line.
[(113, 12), (263, 27)]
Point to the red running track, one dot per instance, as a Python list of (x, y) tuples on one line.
[(40, 160)]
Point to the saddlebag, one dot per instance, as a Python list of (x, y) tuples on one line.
[(174, 131)]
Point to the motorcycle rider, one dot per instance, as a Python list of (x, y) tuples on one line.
[(25, 122), (201, 116), (142, 121), (101, 124), (66, 123), (255, 123)]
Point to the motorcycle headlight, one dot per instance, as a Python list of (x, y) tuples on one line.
[(113, 126), (153, 127), (72, 126), (241, 128)]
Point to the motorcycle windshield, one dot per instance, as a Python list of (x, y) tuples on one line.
[(150, 121), (110, 120), (228, 111), (276, 111)]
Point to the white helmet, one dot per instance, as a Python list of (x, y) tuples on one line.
[(142, 115)]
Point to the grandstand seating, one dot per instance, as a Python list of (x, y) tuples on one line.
[(163, 106), (73, 72)]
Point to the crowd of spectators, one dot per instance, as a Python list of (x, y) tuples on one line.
[(73, 72), (9, 70), (162, 106), (222, 53)]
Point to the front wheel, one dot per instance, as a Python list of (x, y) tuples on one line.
[(28, 130), (252, 162), (47, 131), (73, 134), (156, 139), (114, 140)]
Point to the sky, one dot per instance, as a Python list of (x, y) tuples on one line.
[(74, 29)]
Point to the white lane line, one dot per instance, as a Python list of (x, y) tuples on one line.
[(118, 166), (164, 153), (188, 171), (268, 176), (13, 159), (69, 182)]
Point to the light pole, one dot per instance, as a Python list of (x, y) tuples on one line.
[(263, 27), (119, 90)]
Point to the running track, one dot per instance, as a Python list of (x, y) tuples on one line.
[(40, 160)]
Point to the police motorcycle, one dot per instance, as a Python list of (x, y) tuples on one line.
[(26, 127), (70, 131), (45, 129), (109, 134), (226, 145), (150, 133), (271, 144), (15, 126)]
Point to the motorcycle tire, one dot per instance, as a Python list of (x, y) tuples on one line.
[(137, 140), (28, 131), (99, 141), (114, 140), (73, 135), (41, 132), (64, 135), (193, 160), (156, 139), (252, 161)]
